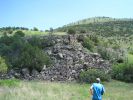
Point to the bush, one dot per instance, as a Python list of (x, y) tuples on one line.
[(32, 58), (82, 31), (36, 41), (87, 43), (19, 53), (19, 33), (112, 55), (35, 29), (3, 66), (90, 76), (71, 31), (123, 72)]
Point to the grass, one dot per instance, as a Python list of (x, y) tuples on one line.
[(39, 90), (130, 58), (9, 83), (39, 33)]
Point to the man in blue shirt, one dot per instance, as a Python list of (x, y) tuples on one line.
[(97, 90)]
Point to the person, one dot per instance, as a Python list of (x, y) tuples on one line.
[(97, 90)]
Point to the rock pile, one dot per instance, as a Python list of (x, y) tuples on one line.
[(69, 59)]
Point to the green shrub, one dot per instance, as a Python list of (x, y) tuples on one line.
[(82, 31), (19, 33), (3, 65), (123, 72), (112, 55), (20, 53), (32, 58), (36, 41), (71, 31), (48, 42), (90, 76), (35, 29), (87, 43)]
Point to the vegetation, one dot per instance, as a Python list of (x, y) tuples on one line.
[(90, 76), (19, 53), (115, 90), (123, 72), (32, 58), (35, 29), (89, 44), (3, 66), (20, 33), (71, 31), (112, 39), (111, 28), (98, 20), (9, 83)]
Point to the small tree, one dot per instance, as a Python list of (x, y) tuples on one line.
[(87, 43), (71, 31), (32, 58), (82, 31), (3, 65), (51, 30), (35, 29), (19, 33)]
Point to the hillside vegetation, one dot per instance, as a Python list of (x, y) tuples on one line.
[(110, 37), (117, 28), (98, 20)]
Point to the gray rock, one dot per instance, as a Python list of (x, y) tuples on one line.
[(26, 73), (60, 55)]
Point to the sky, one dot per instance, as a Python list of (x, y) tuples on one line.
[(44, 14)]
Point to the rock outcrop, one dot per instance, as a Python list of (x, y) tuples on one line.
[(69, 58)]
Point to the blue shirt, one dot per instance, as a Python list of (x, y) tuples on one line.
[(98, 90)]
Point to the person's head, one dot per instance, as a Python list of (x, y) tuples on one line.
[(98, 80)]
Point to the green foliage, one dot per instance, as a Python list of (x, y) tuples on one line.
[(71, 31), (82, 31), (106, 28), (5, 39), (32, 90), (48, 42), (123, 72), (112, 55), (87, 43), (90, 76), (35, 29), (19, 33), (20, 53), (36, 41), (31, 57), (3, 65), (9, 83)]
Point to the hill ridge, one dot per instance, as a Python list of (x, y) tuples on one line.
[(98, 20)]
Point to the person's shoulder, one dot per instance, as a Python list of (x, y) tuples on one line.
[(94, 83), (102, 85)]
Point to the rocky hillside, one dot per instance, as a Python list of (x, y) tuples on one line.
[(69, 59)]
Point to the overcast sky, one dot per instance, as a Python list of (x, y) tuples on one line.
[(55, 13)]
